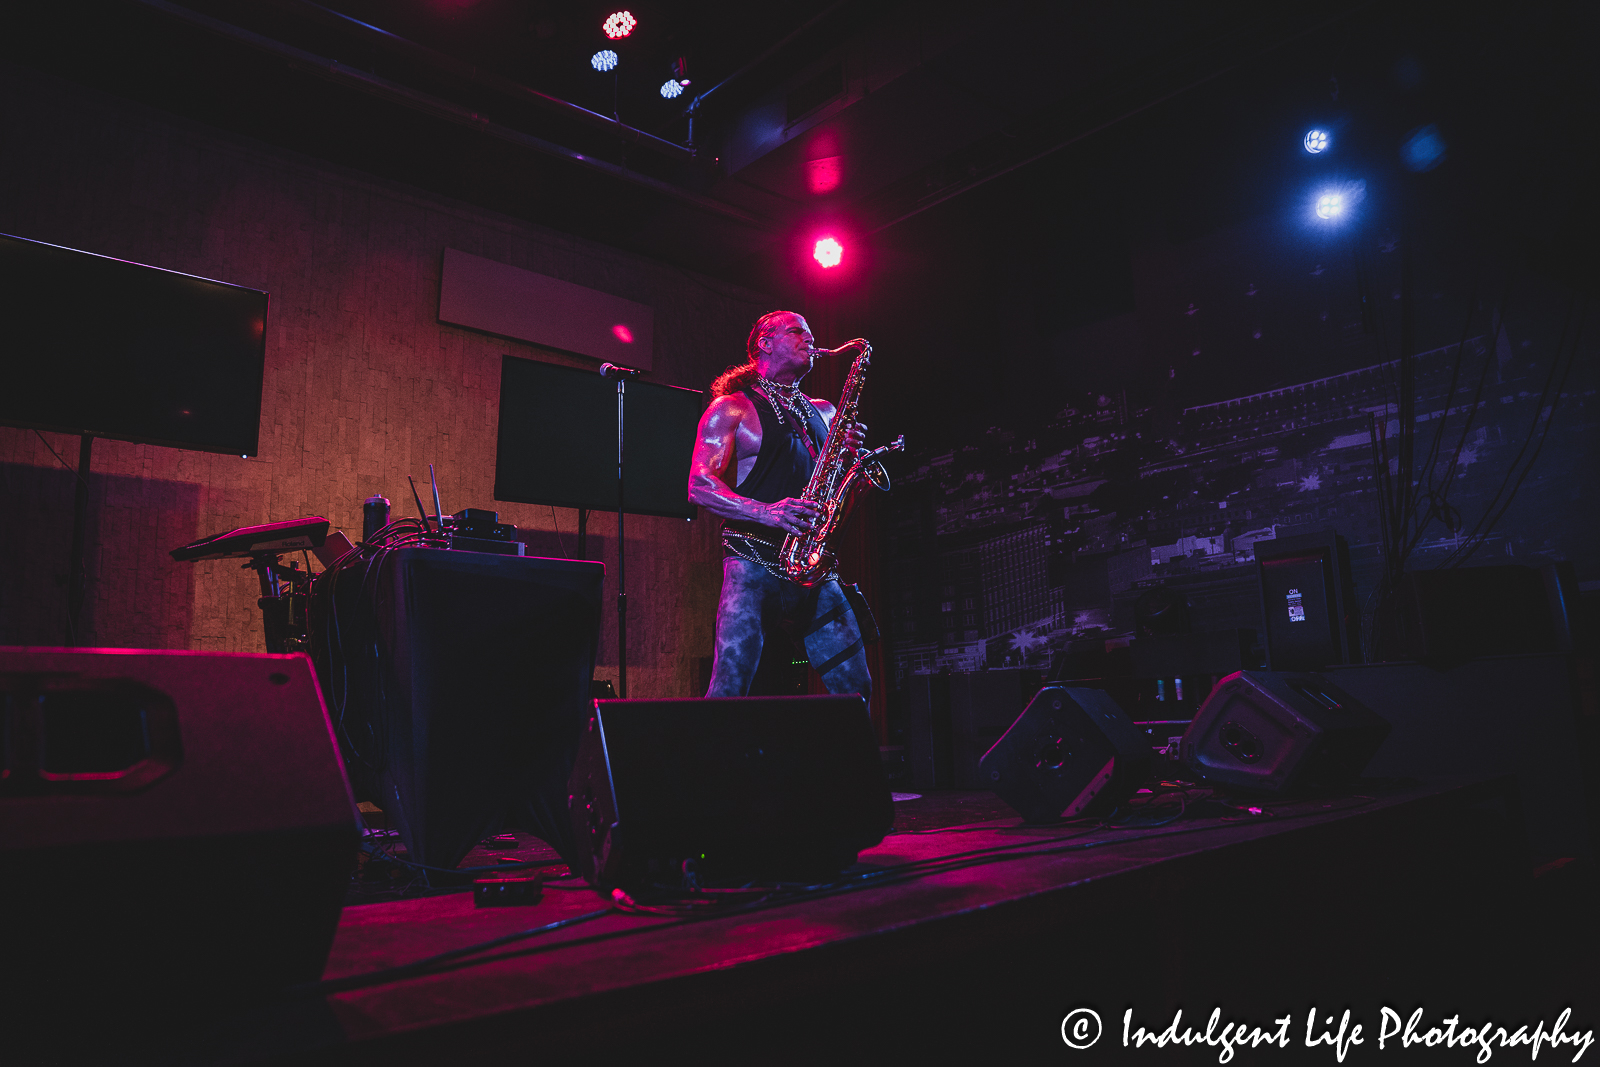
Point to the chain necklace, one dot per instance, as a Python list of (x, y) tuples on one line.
[(790, 396)]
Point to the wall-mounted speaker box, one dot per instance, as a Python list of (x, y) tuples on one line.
[(1529, 716), (1281, 732), (744, 786), (953, 719), (172, 825), (460, 683), (1071, 752), (1308, 605)]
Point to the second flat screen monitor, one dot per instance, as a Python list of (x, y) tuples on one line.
[(558, 440)]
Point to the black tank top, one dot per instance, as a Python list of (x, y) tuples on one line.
[(782, 467)]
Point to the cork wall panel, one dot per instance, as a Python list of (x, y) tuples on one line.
[(363, 385)]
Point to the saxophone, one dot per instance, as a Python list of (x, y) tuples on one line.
[(805, 557)]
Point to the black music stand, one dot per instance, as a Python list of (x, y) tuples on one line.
[(553, 411)]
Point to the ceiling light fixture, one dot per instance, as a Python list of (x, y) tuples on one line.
[(1339, 202), (619, 24), (603, 60), (670, 88), (828, 253), (1316, 141)]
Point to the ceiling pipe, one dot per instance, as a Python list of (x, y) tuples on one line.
[(449, 64), (440, 108)]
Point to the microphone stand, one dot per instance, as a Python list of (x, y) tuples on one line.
[(621, 375), (622, 569)]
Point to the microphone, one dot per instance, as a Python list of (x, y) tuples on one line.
[(611, 370)]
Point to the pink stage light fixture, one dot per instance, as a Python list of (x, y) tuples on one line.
[(828, 252), (619, 24)]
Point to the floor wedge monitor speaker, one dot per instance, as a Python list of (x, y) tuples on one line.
[(1281, 732), (1071, 752), (765, 787), (175, 827), (953, 719)]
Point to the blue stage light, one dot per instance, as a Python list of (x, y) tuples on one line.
[(1335, 203), (1423, 149), (603, 60), (670, 88), (1316, 141)]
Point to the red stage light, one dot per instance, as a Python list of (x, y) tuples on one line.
[(619, 24), (622, 333), (828, 252)]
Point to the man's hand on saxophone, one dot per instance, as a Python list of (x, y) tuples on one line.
[(793, 515), (855, 437)]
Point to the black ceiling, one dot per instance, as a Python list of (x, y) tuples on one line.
[(915, 102), (904, 107)]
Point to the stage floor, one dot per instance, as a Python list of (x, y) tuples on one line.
[(983, 933)]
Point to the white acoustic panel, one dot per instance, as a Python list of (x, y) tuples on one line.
[(501, 299)]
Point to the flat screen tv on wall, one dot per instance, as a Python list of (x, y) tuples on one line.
[(102, 346)]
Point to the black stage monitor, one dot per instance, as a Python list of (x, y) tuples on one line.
[(558, 440), (115, 349)]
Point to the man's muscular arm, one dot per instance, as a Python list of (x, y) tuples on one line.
[(714, 467)]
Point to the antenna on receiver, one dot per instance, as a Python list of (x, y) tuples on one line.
[(438, 512), (422, 510)]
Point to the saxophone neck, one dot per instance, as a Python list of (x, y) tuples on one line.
[(860, 346)]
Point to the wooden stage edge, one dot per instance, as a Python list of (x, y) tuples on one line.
[(1403, 894)]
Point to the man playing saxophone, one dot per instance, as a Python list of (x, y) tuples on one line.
[(754, 454)]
